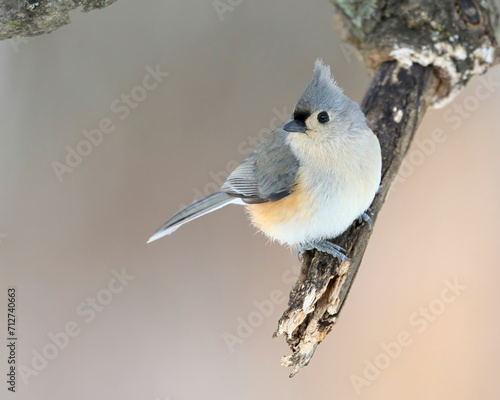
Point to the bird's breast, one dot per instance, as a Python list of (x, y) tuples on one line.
[(320, 206)]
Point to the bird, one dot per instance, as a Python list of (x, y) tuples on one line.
[(310, 179)]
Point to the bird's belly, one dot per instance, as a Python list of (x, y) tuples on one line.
[(303, 215), (283, 219)]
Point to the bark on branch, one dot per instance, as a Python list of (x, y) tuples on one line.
[(35, 17), (405, 84)]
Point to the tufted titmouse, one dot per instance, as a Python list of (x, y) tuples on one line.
[(310, 179)]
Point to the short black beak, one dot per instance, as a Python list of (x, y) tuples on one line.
[(295, 126)]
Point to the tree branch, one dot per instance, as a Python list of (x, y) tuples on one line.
[(36, 17), (401, 91)]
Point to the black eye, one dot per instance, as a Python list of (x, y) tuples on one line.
[(323, 117)]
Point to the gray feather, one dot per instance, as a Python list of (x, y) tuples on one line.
[(194, 210), (322, 93), (242, 181), (268, 174)]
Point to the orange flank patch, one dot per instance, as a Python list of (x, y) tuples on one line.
[(267, 216)]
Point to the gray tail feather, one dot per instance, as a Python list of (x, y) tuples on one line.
[(193, 211)]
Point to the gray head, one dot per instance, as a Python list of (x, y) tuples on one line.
[(323, 108)]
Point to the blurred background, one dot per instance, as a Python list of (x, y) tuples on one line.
[(102, 315)]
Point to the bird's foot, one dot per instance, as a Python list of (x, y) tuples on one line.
[(324, 246), (366, 218)]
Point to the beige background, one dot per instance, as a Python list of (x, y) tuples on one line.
[(162, 336)]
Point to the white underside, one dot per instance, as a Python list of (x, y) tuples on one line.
[(341, 184), (331, 213)]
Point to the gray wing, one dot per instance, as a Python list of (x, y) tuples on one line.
[(268, 174)]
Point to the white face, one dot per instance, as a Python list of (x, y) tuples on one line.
[(319, 124)]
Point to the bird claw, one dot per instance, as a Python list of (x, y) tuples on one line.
[(324, 246), (366, 218)]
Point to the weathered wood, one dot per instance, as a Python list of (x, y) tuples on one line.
[(405, 84), (456, 37), (35, 17)]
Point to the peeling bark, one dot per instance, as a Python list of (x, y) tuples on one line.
[(456, 37)]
